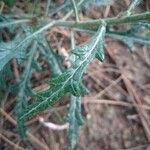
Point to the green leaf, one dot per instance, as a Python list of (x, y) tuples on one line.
[(5, 74), (15, 48), (8, 51), (139, 33), (21, 100), (21, 104), (70, 80), (74, 119), (129, 39), (49, 56)]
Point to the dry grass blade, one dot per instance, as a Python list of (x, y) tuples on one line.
[(11, 143), (109, 87), (87, 100), (32, 138), (137, 102), (1, 6)]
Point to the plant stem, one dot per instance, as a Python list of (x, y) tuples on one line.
[(15, 22), (47, 8), (129, 19), (131, 7), (94, 24), (90, 24), (70, 12), (75, 10)]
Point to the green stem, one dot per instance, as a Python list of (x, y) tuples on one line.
[(91, 24), (129, 19), (132, 6), (15, 22), (94, 24), (75, 10), (47, 7), (70, 12)]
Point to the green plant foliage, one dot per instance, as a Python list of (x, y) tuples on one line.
[(70, 81), (130, 37), (74, 119), (10, 23), (21, 100), (8, 51), (49, 56), (129, 40), (25, 40), (5, 74), (133, 35), (9, 3), (67, 5), (132, 6), (13, 48)]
